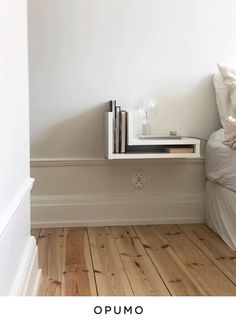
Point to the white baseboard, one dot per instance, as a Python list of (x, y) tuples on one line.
[(33, 278), (99, 192), (28, 276), (116, 209)]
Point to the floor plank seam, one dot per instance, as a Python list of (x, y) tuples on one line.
[(62, 260), (94, 276)]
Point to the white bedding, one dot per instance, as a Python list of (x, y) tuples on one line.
[(220, 161), (221, 212)]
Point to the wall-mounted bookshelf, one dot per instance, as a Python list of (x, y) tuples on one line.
[(148, 148)]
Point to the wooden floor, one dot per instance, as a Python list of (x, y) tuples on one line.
[(140, 260)]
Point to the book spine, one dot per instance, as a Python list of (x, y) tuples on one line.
[(123, 131), (112, 108), (117, 129)]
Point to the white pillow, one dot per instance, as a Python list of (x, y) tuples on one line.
[(230, 133), (222, 98), (228, 74)]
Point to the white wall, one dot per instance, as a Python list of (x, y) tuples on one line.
[(17, 248), (14, 105), (82, 53)]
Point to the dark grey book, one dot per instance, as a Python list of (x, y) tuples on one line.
[(112, 106)]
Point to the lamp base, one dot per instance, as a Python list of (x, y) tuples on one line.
[(146, 129)]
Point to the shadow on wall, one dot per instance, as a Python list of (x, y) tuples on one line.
[(200, 118), (78, 136)]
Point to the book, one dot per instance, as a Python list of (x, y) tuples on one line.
[(112, 108), (158, 137), (179, 150), (123, 130), (117, 129)]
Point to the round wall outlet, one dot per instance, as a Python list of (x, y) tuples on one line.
[(139, 179)]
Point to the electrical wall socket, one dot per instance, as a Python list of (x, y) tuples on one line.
[(139, 179)]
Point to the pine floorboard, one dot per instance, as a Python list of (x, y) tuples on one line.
[(143, 276), (109, 271), (204, 271), (153, 260), (50, 244), (178, 279), (213, 247), (78, 275)]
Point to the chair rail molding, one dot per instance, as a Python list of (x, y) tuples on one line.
[(94, 161), (16, 204)]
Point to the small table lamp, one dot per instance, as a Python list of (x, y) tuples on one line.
[(145, 111)]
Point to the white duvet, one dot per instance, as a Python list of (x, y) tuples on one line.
[(230, 132), (220, 161), (221, 212)]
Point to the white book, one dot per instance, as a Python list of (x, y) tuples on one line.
[(117, 129)]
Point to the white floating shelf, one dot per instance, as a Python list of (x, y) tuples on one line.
[(134, 142)]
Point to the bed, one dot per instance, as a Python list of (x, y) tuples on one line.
[(221, 188)]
